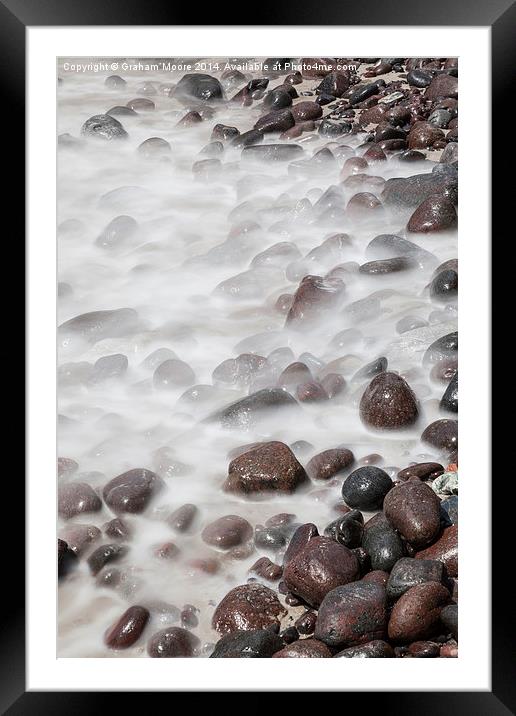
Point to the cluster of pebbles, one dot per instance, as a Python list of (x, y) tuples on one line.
[(258, 386)]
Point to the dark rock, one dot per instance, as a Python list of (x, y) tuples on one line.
[(412, 508), (198, 87), (366, 487), (383, 545), (450, 399), (224, 132), (450, 619), (424, 135), (313, 296), (103, 126), (437, 213), (442, 86), (407, 572), (246, 412), (272, 152), (115, 82), (256, 644), (66, 559), (423, 650), (299, 540), (277, 98), (304, 649), (445, 286), (266, 569), (105, 554), (442, 349), (311, 392), (305, 111), (182, 519), (333, 384), (408, 193), (416, 614), (347, 530), (388, 403), (376, 649), (128, 629), (269, 467), (97, 325), (335, 84), (422, 470), (387, 266), (247, 607), (247, 139), (320, 567), (445, 550), (328, 463), (141, 104), (419, 78), (390, 246), (228, 531), (451, 508), (331, 128), (352, 614), (132, 490), (276, 121), (154, 148), (271, 538), (117, 529), (172, 642), (79, 537), (368, 371), (121, 111), (363, 93), (442, 434), (76, 498)]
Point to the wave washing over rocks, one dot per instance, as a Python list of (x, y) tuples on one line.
[(257, 379)]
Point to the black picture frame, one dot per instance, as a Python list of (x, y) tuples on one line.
[(15, 17)]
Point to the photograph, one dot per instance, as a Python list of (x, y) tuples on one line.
[(257, 357)]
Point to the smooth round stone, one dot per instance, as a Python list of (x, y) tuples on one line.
[(422, 470), (299, 540), (444, 348), (117, 529), (388, 403), (254, 644), (437, 213), (423, 135), (407, 572), (275, 121), (450, 619), (154, 147), (371, 369), (108, 368), (419, 78), (76, 498), (442, 434), (383, 545), (409, 323), (293, 375), (451, 507), (416, 614), (248, 411), (105, 554), (117, 232), (305, 624), (115, 82), (305, 111), (321, 566), (128, 629), (223, 132), (347, 530), (424, 650), (366, 487), (376, 649), (277, 99), (173, 374), (445, 286), (445, 550), (80, 537), (450, 399), (413, 509), (228, 531), (66, 558), (132, 490), (378, 576), (198, 86), (352, 614), (172, 642), (247, 607), (121, 111), (181, 520), (442, 85), (333, 384), (269, 467), (103, 126), (304, 649), (311, 392), (266, 569), (271, 538), (387, 266), (141, 104)]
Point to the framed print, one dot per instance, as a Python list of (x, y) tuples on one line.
[(243, 311)]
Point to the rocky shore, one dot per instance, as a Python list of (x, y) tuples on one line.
[(257, 359)]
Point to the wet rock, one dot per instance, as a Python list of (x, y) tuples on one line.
[(117, 529), (388, 403), (376, 649), (277, 98), (182, 519), (413, 509), (154, 148), (437, 213), (423, 135), (108, 368), (311, 392), (128, 629), (347, 530), (255, 644), (443, 349), (450, 619), (335, 84), (97, 325), (294, 375), (419, 78), (305, 111), (272, 152), (321, 566), (440, 118), (366, 488), (276, 121), (422, 470), (80, 537), (299, 540), (121, 111), (407, 572), (450, 153), (198, 86), (115, 82), (66, 466), (247, 139), (313, 296), (247, 607), (105, 554), (391, 246), (228, 531), (66, 558), (408, 193), (271, 538), (172, 642), (333, 384), (387, 266), (445, 286), (304, 649), (246, 412), (352, 614), (172, 374), (328, 463), (132, 490), (445, 550), (266, 569), (442, 86), (117, 232), (364, 92), (442, 434), (423, 650), (76, 498), (269, 467), (103, 126), (305, 624), (416, 614), (383, 545), (450, 399), (239, 370), (451, 507), (332, 129)]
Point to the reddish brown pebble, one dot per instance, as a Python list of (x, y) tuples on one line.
[(445, 549), (415, 615), (246, 607), (269, 467), (228, 531), (413, 509), (304, 649), (266, 569), (172, 642), (127, 630), (328, 463)]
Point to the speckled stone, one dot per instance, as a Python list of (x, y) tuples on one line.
[(247, 607), (254, 644), (376, 649), (413, 509), (172, 642), (445, 549), (271, 467), (304, 649), (388, 403), (132, 490), (128, 629), (416, 614), (328, 463)]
